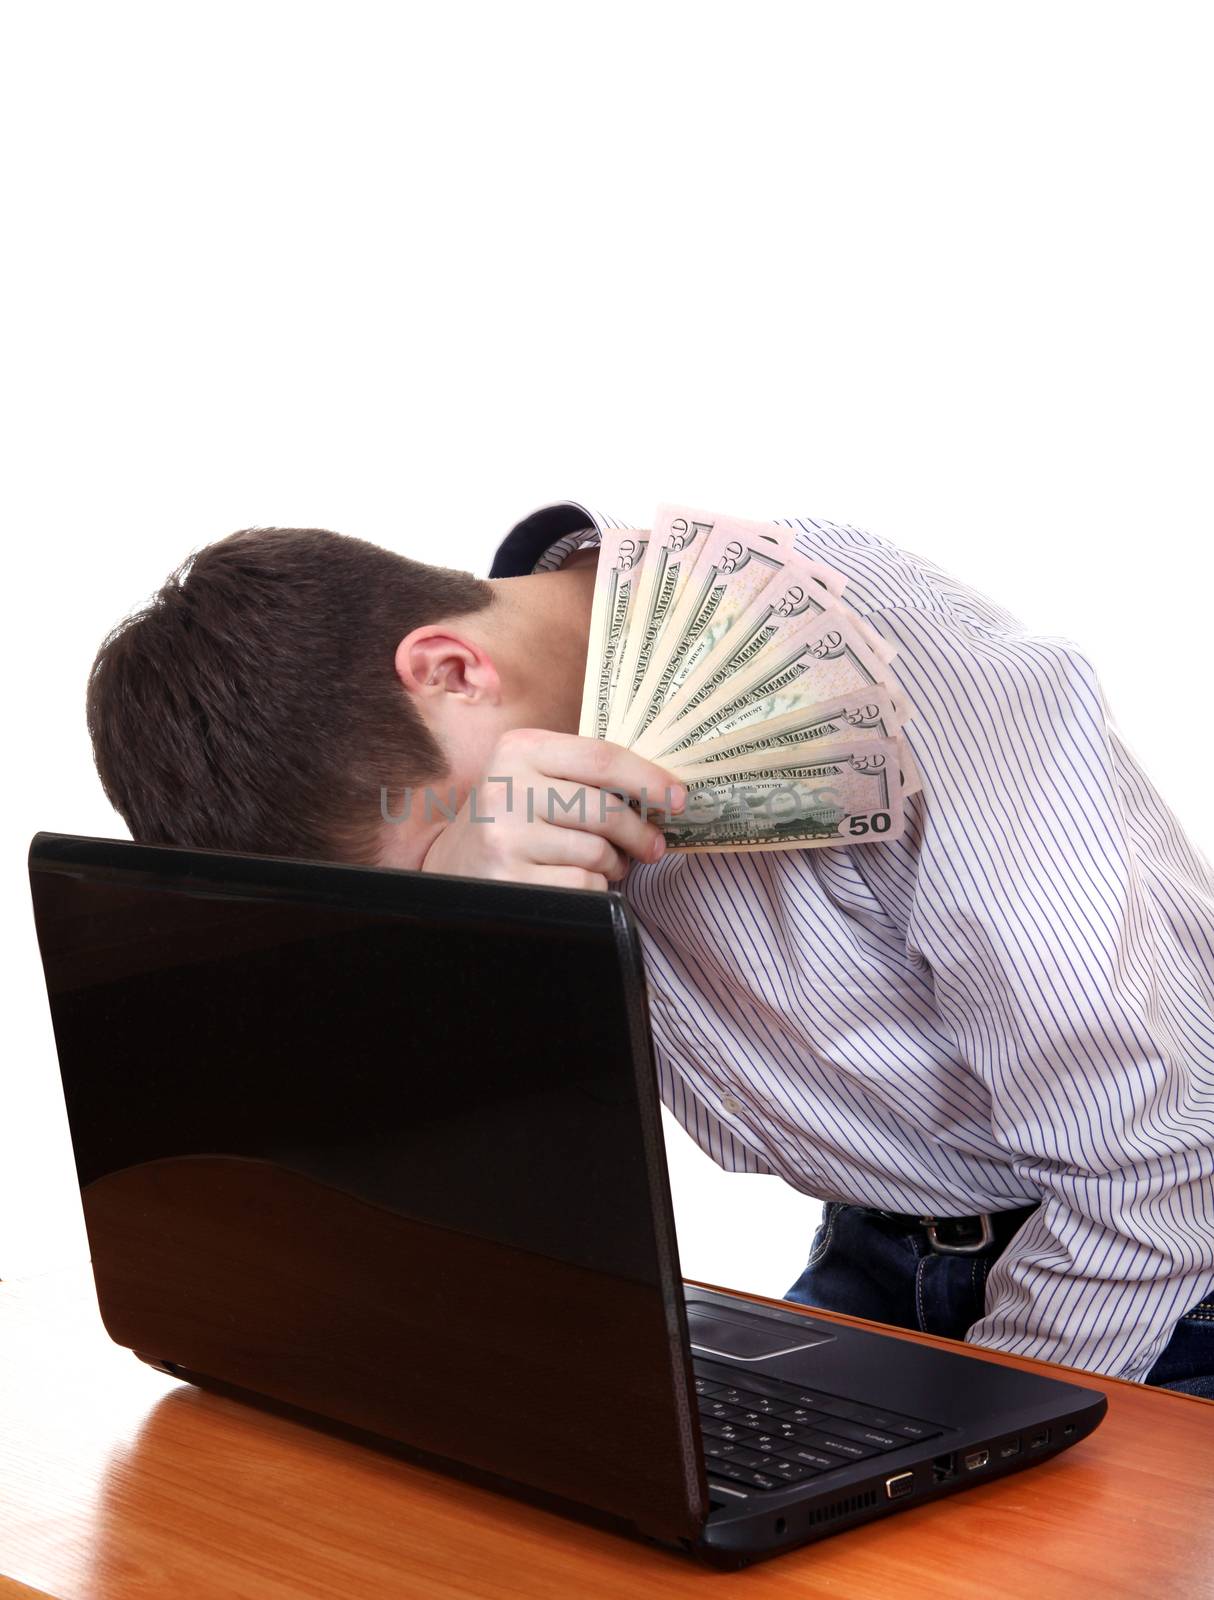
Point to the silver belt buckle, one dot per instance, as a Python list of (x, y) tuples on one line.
[(988, 1237)]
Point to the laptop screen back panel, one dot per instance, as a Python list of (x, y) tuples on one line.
[(382, 1145)]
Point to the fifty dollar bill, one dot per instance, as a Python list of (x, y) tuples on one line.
[(840, 795)]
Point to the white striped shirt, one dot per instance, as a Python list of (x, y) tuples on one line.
[(1013, 1003)]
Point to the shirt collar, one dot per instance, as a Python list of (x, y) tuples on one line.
[(520, 551)]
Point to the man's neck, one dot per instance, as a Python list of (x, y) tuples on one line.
[(545, 618)]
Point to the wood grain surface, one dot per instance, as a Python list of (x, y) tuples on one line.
[(118, 1483)]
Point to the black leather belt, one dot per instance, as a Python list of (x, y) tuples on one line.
[(960, 1236)]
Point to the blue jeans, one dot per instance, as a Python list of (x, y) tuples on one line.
[(870, 1266)]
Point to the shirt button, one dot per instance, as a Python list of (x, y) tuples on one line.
[(730, 1103)]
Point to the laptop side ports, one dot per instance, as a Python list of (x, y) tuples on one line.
[(944, 1468)]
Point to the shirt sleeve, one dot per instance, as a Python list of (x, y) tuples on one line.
[(1068, 928)]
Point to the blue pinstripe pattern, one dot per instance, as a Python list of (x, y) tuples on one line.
[(1013, 1003)]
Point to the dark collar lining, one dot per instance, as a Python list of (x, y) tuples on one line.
[(527, 540)]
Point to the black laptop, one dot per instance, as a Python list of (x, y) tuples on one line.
[(382, 1150)]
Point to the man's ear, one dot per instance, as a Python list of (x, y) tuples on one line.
[(432, 662)]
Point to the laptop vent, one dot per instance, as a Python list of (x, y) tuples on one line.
[(842, 1508)]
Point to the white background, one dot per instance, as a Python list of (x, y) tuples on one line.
[(940, 270)]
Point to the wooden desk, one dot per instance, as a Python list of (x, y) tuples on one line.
[(117, 1483)]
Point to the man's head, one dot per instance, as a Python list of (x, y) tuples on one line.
[(282, 677)]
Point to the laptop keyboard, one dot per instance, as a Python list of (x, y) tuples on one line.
[(761, 1433)]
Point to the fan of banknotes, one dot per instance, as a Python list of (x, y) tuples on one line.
[(729, 658)]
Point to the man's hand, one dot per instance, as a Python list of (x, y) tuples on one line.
[(549, 810)]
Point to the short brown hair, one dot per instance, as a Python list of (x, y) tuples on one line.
[(253, 704)]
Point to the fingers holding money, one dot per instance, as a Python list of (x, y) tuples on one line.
[(601, 766), (553, 806), (592, 790), (601, 826), (578, 850)]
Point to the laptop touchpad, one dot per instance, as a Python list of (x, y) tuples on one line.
[(743, 1337)]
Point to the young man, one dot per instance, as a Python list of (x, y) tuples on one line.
[(990, 1044)]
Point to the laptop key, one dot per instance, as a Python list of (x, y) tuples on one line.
[(800, 1415), (817, 1459), (720, 1430), (759, 1420), (763, 1403), (817, 1402), (722, 1410), (761, 1480), (777, 1430), (788, 1471), (850, 1411), (720, 1452), (883, 1441), (860, 1416), (843, 1447), (909, 1430), (853, 1430)]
